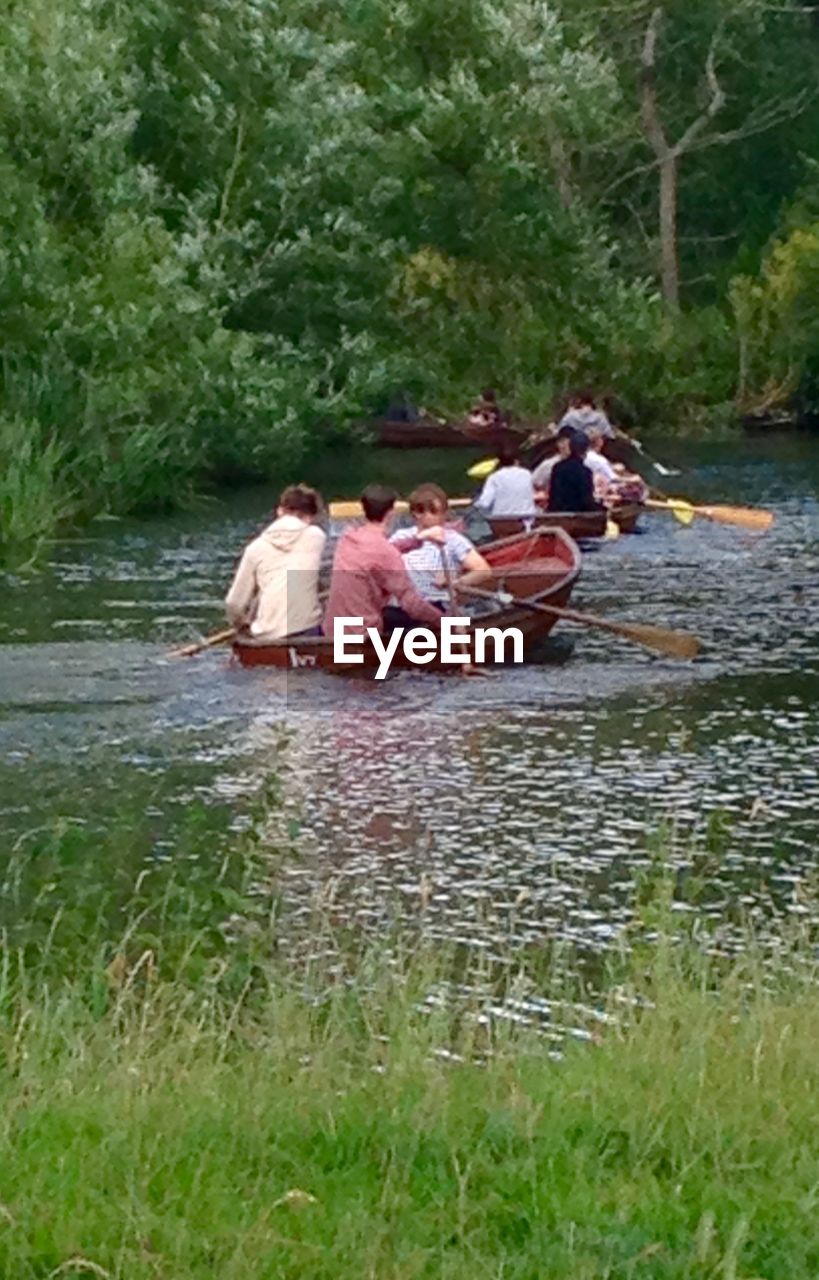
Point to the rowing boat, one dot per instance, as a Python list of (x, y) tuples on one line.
[(425, 433), (428, 433), (578, 524), (540, 567), (626, 515)]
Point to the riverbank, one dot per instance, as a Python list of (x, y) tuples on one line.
[(186, 1094), (154, 1129), (52, 489)]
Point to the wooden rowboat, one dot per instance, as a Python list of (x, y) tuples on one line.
[(626, 516), (428, 433), (578, 524), (425, 433), (541, 567)]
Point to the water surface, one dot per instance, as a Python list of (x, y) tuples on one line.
[(502, 813)]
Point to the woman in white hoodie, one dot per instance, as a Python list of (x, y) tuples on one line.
[(275, 590)]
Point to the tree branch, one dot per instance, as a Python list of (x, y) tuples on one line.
[(649, 113), (715, 104)]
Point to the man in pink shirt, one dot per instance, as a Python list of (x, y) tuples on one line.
[(369, 571)]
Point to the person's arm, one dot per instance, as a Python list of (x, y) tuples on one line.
[(485, 500), (406, 542), (392, 576), (242, 594), (475, 569), (543, 472), (586, 480)]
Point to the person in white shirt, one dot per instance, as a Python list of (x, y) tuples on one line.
[(509, 490), (612, 483), (434, 554), (604, 473)]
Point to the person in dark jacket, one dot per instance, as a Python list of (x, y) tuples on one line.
[(572, 483)]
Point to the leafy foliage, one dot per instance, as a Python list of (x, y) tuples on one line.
[(230, 229)]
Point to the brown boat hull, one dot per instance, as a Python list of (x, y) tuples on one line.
[(427, 433), (540, 567), (424, 434), (627, 515), (578, 524)]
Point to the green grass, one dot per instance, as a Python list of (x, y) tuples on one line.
[(171, 1134), (181, 1101)]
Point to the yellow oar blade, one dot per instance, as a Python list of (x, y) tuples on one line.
[(612, 529), (756, 521), (682, 511), (480, 470), (744, 517), (676, 644), (347, 510)]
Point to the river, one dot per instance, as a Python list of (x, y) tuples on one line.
[(519, 809)]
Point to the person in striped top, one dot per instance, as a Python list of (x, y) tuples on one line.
[(447, 555)]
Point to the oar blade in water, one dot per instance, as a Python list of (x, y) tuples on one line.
[(682, 511), (744, 517), (676, 644)]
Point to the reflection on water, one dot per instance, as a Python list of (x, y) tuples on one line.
[(502, 813)]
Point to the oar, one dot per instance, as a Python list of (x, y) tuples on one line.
[(638, 445), (757, 520), (676, 644), (190, 650), (344, 510), (480, 470)]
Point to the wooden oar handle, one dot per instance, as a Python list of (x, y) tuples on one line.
[(190, 650)]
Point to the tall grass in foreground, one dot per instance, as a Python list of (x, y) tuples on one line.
[(172, 1135), (183, 1100), (184, 1093)]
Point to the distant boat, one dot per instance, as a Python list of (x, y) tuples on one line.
[(429, 433)]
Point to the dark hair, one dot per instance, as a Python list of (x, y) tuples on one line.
[(564, 432), (301, 500), (428, 497), (489, 394), (579, 445), (508, 453), (586, 397), (377, 500)]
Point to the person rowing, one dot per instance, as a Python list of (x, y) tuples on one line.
[(274, 592), (369, 575), (584, 415), (432, 561), (542, 474), (604, 473), (613, 484), (572, 482), (487, 412), (509, 490)]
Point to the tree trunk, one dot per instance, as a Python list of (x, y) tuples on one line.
[(669, 258)]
